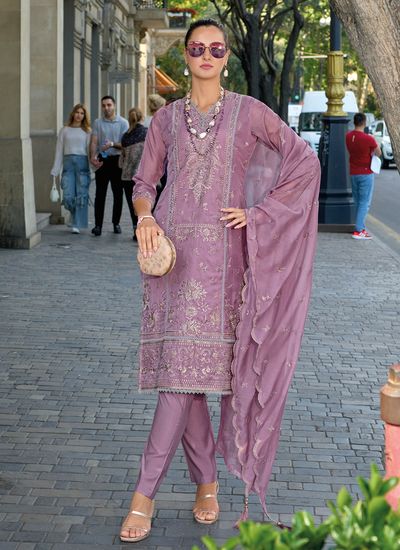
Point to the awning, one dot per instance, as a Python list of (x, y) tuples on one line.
[(163, 83)]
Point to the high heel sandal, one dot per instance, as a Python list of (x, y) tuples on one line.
[(207, 521), (147, 531)]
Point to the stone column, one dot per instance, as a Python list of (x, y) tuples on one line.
[(46, 98), (17, 194)]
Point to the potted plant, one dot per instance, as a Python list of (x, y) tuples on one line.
[(369, 524)]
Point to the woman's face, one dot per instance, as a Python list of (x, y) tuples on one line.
[(206, 66), (79, 115)]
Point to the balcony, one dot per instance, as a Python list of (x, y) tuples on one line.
[(152, 14), (166, 39), (150, 4), (180, 18)]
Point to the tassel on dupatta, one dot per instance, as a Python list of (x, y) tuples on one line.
[(244, 516)]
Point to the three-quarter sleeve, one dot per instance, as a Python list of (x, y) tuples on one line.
[(58, 160), (152, 164)]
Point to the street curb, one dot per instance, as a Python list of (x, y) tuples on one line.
[(386, 248)]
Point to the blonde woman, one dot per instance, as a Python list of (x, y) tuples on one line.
[(154, 103), (132, 149), (72, 153)]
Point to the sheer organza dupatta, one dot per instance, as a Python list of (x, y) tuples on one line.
[(282, 186)]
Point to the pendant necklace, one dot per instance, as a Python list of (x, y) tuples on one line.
[(193, 131), (201, 135)]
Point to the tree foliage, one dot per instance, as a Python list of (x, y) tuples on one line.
[(256, 27), (277, 67)]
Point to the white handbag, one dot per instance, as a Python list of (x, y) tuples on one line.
[(54, 194)]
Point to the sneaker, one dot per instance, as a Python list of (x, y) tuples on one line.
[(75, 230), (117, 229), (96, 231), (361, 235)]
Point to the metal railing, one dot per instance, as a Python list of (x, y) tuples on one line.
[(150, 4)]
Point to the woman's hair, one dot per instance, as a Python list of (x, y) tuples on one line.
[(135, 115), (85, 124), (155, 102), (206, 23)]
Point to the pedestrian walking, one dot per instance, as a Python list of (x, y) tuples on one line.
[(154, 103), (241, 205), (105, 149), (72, 153), (132, 149), (361, 147)]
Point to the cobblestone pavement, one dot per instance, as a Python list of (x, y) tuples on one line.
[(73, 425)]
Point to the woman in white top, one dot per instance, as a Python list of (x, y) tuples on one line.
[(73, 153)]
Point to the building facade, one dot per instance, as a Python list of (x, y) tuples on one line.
[(57, 53)]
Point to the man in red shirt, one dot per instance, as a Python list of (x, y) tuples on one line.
[(361, 148)]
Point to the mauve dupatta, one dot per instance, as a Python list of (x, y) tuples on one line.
[(282, 187)]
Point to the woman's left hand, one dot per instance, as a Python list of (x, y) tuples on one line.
[(235, 216)]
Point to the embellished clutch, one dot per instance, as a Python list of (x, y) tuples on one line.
[(161, 262)]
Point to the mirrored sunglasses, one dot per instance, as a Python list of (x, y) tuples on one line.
[(196, 49)]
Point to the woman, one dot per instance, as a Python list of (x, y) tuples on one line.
[(240, 204), (132, 149), (73, 153), (154, 103)]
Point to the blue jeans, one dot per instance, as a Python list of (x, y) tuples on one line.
[(362, 187), (75, 181)]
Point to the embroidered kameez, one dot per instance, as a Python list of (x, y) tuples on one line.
[(229, 318)]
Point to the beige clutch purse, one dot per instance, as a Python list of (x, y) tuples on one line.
[(161, 262)]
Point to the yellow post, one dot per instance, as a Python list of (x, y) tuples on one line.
[(335, 90)]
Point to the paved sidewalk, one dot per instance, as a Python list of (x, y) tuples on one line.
[(73, 426)]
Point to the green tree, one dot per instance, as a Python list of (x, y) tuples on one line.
[(257, 26)]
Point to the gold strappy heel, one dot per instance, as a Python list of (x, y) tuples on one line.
[(207, 521), (147, 531)]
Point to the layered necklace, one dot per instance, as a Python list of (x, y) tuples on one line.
[(201, 135)]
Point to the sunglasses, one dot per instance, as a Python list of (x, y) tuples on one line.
[(196, 49)]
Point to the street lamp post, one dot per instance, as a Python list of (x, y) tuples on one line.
[(336, 205)]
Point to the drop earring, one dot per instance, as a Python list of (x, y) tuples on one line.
[(226, 72), (186, 71)]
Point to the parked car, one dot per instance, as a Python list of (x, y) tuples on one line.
[(370, 120), (381, 135)]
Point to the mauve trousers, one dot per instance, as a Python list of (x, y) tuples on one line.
[(179, 417)]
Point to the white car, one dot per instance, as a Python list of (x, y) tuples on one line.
[(381, 135)]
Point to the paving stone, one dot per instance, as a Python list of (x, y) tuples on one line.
[(73, 426)]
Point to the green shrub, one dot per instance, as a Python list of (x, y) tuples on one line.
[(370, 524)]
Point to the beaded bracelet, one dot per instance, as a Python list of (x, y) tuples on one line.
[(143, 217)]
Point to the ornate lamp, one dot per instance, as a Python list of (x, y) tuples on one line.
[(336, 205)]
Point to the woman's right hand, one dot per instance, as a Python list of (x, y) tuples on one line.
[(146, 234)]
